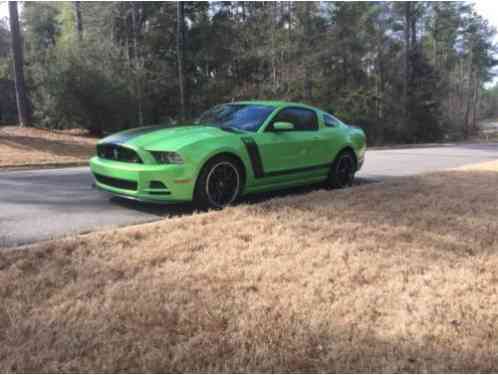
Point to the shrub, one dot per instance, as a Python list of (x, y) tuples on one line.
[(84, 87)]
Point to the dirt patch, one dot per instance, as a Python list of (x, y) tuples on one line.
[(31, 147), (400, 276)]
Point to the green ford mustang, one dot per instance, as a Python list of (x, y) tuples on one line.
[(233, 149)]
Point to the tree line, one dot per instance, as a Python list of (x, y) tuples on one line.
[(404, 71)]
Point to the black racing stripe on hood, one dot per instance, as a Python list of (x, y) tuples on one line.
[(124, 137)]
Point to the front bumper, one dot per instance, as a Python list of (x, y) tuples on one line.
[(360, 162), (144, 182)]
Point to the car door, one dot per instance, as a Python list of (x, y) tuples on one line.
[(290, 152)]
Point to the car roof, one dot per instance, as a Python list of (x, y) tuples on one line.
[(275, 103)]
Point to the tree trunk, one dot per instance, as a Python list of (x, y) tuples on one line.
[(435, 34), (475, 103), (380, 81), (290, 22), (180, 22), (407, 58), (79, 21), (413, 27), (273, 21), (289, 50), (307, 61), (468, 103), (23, 106), (137, 64)]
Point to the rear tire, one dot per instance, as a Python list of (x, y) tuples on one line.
[(342, 171), (218, 184)]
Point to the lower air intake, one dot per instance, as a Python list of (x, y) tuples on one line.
[(116, 182)]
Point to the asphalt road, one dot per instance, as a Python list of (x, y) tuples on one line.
[(43, 204)]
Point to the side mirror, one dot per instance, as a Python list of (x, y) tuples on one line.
[(283, 126)]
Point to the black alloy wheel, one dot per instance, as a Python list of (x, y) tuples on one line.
[(342, 172), (219, 183)]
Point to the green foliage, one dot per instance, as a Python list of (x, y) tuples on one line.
[(5, 63), (8, 110), (76, 89), (423, 107), (489, 103), (42, 28), (349, 58)]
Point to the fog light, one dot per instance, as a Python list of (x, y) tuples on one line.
[(157, 185)]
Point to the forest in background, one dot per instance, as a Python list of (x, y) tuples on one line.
[(405, 72)]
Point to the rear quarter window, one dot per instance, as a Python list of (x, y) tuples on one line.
[(330, 121), (302, 118)]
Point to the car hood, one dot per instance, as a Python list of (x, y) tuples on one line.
[(165, 138)]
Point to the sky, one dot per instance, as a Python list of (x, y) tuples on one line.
[(486, 8), (489, 10), (3, 9)]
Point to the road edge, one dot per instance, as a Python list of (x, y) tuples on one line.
[(34, 167)]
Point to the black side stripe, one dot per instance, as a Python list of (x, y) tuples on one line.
[(254, 156), (257, 165), (297, 170)]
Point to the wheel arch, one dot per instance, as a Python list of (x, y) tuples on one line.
[(348, 148), (230, 155)]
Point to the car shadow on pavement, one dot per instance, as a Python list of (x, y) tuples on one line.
[(158, 209), (180, 209)]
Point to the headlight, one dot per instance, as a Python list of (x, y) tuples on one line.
[(167, 157)]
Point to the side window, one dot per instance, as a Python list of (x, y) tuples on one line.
[(303, 119), (330, 121)]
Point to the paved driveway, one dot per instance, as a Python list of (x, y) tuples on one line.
[(43, 204), (409, 161)]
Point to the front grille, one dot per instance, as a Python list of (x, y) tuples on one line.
[(116, 182), (111, 151)]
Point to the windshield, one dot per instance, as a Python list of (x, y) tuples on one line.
[(248, 117)]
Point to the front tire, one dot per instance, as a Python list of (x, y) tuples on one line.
[(219, 183), (342, 171)]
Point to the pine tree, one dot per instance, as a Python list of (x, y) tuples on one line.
[(23, 106)]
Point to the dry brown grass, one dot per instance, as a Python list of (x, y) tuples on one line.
[(21, 147), (398, 276)]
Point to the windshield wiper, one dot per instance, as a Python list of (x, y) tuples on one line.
[(230, 129), (227, 128)]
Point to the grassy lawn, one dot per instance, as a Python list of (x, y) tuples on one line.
[(396, 276), (22, 147)]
